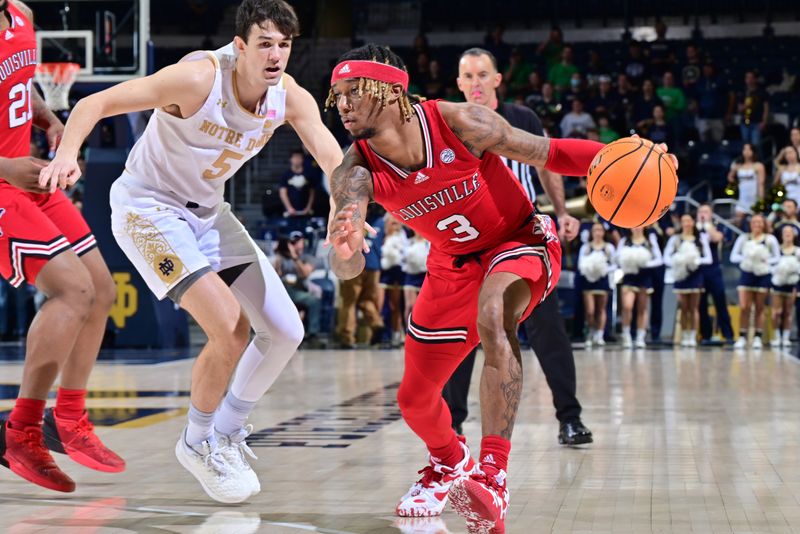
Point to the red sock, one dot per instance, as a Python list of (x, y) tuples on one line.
[(26, 412), (450, 454), (70, 403), (495, 451)]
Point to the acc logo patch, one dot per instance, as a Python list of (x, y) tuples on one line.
[(447, 156)]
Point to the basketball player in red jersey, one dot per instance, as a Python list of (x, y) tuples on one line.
[(44, 241), (493, 258)]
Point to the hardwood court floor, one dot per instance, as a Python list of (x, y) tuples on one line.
[(685, 441)]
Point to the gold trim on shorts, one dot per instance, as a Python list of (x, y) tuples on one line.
[(754, 289), (639, 289), (154, 248)]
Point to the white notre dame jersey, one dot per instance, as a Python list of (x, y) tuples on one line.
[(193, 157)]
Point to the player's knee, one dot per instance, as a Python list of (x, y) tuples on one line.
[(231, 336), (495, 323), (78, 296), (411, 400), (105, 294)]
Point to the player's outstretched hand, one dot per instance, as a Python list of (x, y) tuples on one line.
[(23, 173), (372, 232), (568, 227), (665, 149), (62, 172), (345, 238)]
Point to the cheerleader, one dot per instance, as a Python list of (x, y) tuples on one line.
[(685, 253), (785, 276), (393, 250), (595, 263), (787, 172), (754, 252), (637, 255), (415, 270), (749, 173)]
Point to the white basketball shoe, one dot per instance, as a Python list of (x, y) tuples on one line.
[(428, 496), (221, 481), (235, 450)]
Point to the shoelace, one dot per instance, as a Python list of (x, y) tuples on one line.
[(489, 479), (216, 461), (429, 475), (34, 441)]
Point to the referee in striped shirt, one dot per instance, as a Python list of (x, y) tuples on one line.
[(478, 79)]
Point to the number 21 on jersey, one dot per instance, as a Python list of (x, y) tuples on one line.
[(21, 109)]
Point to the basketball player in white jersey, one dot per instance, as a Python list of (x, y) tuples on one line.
[(214, 111)]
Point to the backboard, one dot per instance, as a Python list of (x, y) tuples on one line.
[(107, 38)]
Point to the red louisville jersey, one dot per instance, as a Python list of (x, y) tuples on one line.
[(17, 67), (460, 203)]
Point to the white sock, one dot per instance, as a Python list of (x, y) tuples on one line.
[(787, 335), (232, 414), (641, 334), (200, 427)]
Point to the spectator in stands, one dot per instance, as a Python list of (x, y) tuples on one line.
[(625, 95), (577, 120), (551, 49), (794, 138), (787, 216), (690, 72), (673, 97), (362, 292), (636, 67), (596, 69), (420, 46), (576, 90), (434, 87), (604, 130), (494, 43), (415, 269), (517, 73), (714, 104), (754, 110), (294, 267), (713, 282), (549, 109), (662, 58), (749, 174), (534, 97), (643, 106), (784, 294), (604, 99), (395, 245), (421, 73), (561, 73), (787, 172), (296, 187), (655, 128), (754, 282)]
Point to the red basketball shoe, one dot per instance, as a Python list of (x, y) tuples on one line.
[(77, 440), (428, 496), (482, 499), (23, 452)]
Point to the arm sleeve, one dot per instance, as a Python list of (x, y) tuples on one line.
[(669, 250), (736, 253), (571, 157), (705, 250), (656, 250)]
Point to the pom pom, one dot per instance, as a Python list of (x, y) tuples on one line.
[(787, 271), (685, 260), (632, 259), (593, 266), (392, 251), (755, 258), (417, 256)]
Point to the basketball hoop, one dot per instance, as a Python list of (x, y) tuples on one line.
[(56, 79)]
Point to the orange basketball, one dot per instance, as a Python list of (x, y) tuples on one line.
[(631, 182)]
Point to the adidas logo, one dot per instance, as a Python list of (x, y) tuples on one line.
[(345, 69), (420, 178), (488, 459), (9, 35)]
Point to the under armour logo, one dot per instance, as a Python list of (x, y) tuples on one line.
[(420, 178), (345, 69), (166, 267), (222, 103)]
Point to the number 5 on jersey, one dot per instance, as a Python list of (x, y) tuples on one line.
[(460, 226), (221, 167)]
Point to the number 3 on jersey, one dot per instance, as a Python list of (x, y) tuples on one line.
[(20, 98), (461, 226)]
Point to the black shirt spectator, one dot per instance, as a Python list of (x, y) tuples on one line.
[(636, 67), (662, 58), (643, 106), (297, 187)]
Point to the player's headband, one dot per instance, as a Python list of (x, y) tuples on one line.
[(369, 69)]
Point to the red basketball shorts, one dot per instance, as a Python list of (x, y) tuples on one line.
[(35, 228), (442, 328)]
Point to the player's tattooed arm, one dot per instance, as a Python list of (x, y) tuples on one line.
[(351, 188), (481, 130)]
